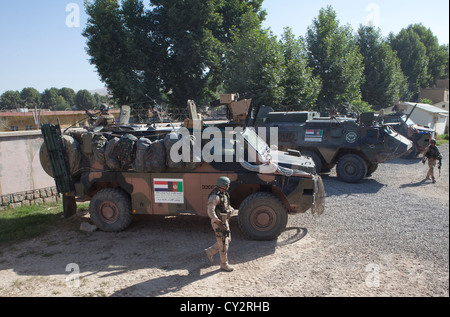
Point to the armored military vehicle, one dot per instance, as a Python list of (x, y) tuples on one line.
[(402, 123), (171, 172), (355, 147)]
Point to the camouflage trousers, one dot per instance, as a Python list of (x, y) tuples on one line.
[(431, 166), (223, 242)]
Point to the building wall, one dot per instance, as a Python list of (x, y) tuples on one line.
[(22, 179), (435, 94), (22, 121), (432, 120)]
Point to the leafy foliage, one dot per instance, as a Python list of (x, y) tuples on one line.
[(335, 58), (384, 81)]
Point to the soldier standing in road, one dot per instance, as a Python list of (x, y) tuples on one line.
[(220, 211), (432, 154)]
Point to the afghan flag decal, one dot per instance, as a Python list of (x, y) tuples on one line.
[(313, 135), (168, 191)]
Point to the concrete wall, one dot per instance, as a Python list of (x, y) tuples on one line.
[(22, 179)]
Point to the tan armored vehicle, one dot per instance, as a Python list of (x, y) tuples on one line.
[(123, 172)]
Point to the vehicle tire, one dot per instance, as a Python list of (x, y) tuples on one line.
[(351, 168), (262, 216), (316, 158), (69, 206), (110, 210)]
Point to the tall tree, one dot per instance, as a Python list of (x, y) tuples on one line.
[(69, 96), (116, 43), (49, 98), (176, 47), (384, 81), (414, 60), (255, 64), (11, 100), (445, 50), (335, 58), (301, 87), (436, 54), (84, 100), (184, 31), (31, 97)]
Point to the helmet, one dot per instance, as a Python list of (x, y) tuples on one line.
[(104, 107), (433, 141), (223, 181)]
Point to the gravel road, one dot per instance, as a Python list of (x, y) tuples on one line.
[(387, 236)]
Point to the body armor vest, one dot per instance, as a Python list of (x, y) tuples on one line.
[(222, 209), (433, 152)]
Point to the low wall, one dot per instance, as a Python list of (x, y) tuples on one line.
[(22, 179)]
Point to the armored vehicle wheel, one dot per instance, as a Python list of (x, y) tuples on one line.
[(262, 216), (110, 210), (351, 168), (315, 157)]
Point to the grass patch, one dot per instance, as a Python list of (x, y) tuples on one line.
[(28, 222), (442, 139)]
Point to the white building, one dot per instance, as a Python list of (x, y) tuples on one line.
[(427, 115)]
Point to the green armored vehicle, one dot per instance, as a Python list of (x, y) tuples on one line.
[(355, 147), (172, 171), (420, 135)]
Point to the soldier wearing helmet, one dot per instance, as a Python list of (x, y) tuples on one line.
[(432, 154), (105, 117), (220, 211)]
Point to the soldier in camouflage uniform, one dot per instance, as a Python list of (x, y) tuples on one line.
[(432, 154), (105, 117), (220, 211)]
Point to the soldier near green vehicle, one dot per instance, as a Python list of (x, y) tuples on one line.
[(432, 154)]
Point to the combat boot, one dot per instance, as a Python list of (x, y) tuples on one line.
[(226, 267), (210, 253)]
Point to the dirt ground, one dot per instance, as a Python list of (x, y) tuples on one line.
[(387, 236)]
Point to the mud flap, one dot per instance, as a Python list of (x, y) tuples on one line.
[(319, 197)]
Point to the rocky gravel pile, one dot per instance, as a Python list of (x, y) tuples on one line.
[(386, 236)]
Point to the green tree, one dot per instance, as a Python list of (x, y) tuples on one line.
[(84, 100), (115, 42), (49, 98), (384, 81), (335, 58), (31, 97), (61, 104), (301, 87), (69, 96), (11, 100), (414, 61), (437, 56), (176, 48), (193, 52), (255, 64), (445, 49)]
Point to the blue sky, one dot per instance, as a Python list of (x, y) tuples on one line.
[(39, 48)]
